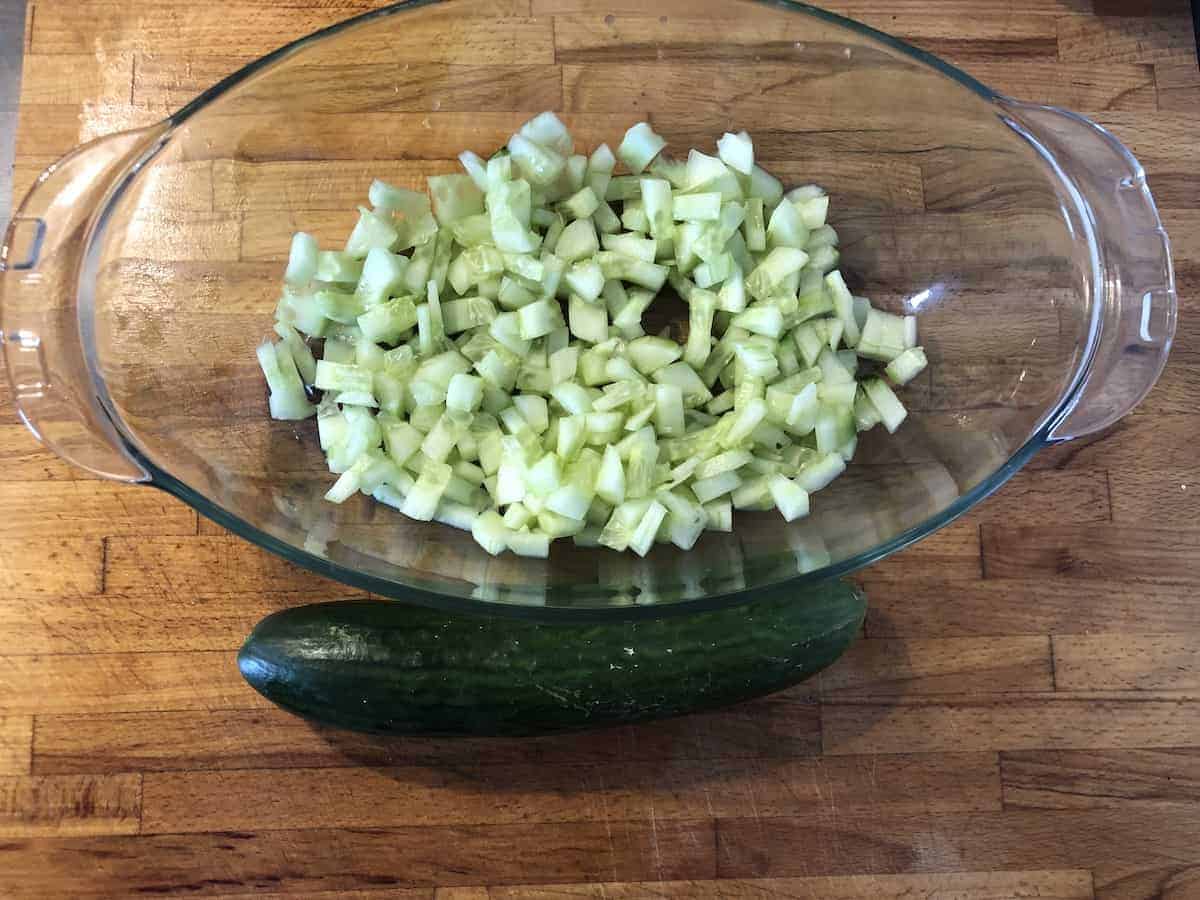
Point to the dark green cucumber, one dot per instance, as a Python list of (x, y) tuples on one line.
[(384, 667)]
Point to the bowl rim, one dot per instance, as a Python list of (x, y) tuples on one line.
[(1041, 436), (229, 81)]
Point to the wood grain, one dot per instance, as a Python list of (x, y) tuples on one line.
[(1052, 885), (928, 605), (66, 805), (51, 567), (333, 186), (88, 621), (1079, 86), (136, 566), (786, 725), (1113, 39), (1092, 779), (372, 893), (1160, 496), (164, 237), (1145, 134), (16, 744), (1041, 839), (1124, 445), (1177, 83), (855, 8), (1008, 722), (85, 509), (1106, 552), (338, 186), (1022, 718), (121, 682), (338, 859), (1126, 662), (954, 551), (398, 135), (1077, 497), (509, 795), (590, 38), (1169, 394), (70, 78), (47, 131), (878, 667), (408, 87), (163, 29), (23, 460)]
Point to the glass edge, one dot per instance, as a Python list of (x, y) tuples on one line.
[(1172, 287), (1074, 390), (888, 40), (471, 606), (492, 608), (211, 93), (935, 62)]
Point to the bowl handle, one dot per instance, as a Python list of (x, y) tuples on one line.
[(46, 313), (1134, 294)]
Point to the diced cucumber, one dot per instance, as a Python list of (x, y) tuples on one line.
[(786, 228), (581, 424), (302, 260), (905, 367), (639, 146), (605, 220), (649, 354), (891, 411), (587, 321), (773, 269), (454, 197), (599, 170), (630, 245), (548, 130), (582, 204), (577, 241), (695, 207), (790, 499), (539, 165), (657, 205), (737, 151), (372, 230), (287, 399), (585, 279), (702, 306)]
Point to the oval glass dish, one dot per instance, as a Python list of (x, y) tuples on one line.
[(142, 271)]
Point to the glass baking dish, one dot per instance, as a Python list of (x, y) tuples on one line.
[(143, 269)]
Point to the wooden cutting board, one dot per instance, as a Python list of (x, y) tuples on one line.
[(1021, 720)]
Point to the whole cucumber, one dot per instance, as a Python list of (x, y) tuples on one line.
[(388, 668)]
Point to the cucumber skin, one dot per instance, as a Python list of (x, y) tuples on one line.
[(386, 668)]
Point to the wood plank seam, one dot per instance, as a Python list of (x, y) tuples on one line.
[(16, 744), (142, 809), (1053, 664)]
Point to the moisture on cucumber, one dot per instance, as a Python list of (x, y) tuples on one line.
[(482, 358)]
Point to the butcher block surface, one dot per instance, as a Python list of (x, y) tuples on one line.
[(1021, 718)]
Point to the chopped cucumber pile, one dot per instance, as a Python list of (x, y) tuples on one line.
[(483, 360)]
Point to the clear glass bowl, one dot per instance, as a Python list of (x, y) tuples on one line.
[(143, 269)]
